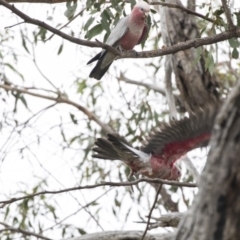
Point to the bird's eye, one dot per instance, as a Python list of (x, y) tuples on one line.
[(141, 9)]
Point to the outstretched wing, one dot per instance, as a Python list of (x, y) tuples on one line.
[(174, 139)]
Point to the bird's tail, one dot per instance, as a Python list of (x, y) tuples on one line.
[(114, 147), (104, 150), (97, 71)]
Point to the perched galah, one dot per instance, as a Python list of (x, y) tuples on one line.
[(157, 156), (130, 31)]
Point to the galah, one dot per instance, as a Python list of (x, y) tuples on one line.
[(129, 31), (157, 156)]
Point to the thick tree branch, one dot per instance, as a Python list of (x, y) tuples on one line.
[(194, 43), (111, 184), (22, 231), (61, 99), (42, 24), (124, 235), (129, 54)]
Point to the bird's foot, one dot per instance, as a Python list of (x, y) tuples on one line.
[(134, 53)]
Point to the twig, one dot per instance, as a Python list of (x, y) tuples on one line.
[(39, 70), (75, 212), (67, 23), (112, 184), (146, 85), (150, 213), (62, 99), (170, 5), (24, 232), (15, 25), (228, 14), (167, 220)]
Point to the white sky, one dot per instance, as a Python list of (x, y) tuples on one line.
[(18, 174)]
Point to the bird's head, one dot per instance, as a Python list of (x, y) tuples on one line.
[(142, 8)]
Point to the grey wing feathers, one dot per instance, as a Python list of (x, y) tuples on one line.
[(198, 122), (118, 32)]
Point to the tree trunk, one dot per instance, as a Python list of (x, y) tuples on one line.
[(215, 214), (195, 84)]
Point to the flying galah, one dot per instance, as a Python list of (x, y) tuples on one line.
[(130, 31), (157, 156)]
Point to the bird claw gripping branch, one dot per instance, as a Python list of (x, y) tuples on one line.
[(157, 156)]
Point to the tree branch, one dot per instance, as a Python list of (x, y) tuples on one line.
[(170, 5), (228, 14), (151, 210), (111, 184), (129, 54), (42, 24), (66, 24), (124, 235), (189, 11), (167, 220), (194, 43), (61, 99), (146, 85), (24, 232)]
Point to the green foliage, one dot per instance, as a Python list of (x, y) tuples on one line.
[(234, 43), (209, 62), (71, 9), (44, 135)]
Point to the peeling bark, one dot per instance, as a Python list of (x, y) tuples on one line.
[(196, 85)]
